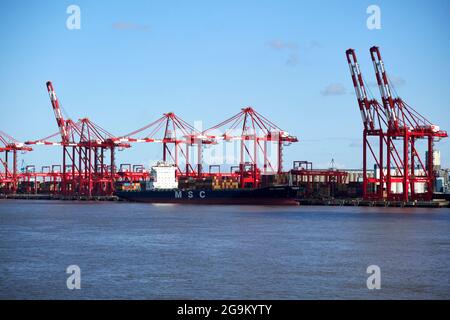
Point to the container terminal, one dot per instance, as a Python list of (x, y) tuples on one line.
[(394, 172)]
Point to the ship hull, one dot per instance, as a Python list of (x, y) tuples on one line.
[(260, 196)]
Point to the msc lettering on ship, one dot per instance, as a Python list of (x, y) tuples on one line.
[(190, 194)]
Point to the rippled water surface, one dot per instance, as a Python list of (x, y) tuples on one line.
[(144, 251)]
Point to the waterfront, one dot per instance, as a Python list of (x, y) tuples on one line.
[(143, 251)]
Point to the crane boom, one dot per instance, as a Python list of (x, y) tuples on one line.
[(360, 90), (58, 114), (384, 87)]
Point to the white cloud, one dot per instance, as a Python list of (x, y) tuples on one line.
[(292, 60), (281, 45), (334, 89), (292, 49), (130, 26), (396, 81)]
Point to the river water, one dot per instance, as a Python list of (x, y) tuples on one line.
[(144, 251)]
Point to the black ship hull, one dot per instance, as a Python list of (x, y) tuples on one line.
[(283, 195)]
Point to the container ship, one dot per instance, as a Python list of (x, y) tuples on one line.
[(164, 187)]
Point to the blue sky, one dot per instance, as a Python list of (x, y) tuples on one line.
[(204, 60)]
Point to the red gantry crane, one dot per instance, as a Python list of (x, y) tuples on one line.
[(407, 126), (255, 132), (176, 136), (374, 122), (86, 146), (399, 168), (8, 175)]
